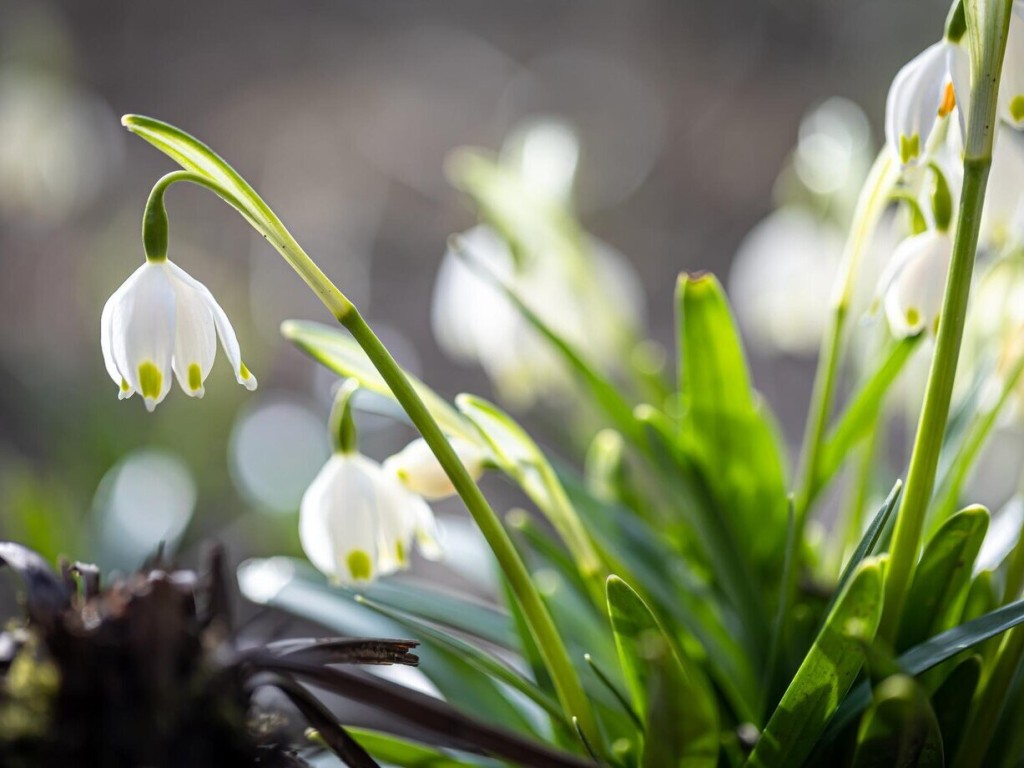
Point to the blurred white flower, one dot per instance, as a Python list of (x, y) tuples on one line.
[(1011, 87), (1002, 218), (925, 89), (418, 469), (781, 279), (595, 305), (546, 152), (357, 522), (162, 319), (833, 152), (914, 283), (57, 147)]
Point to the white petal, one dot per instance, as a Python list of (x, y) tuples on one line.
[(397, 512), (913, 302), (420, 472), (916, 98), (338, 521), (1011, 88), (195, 340), (142, 332), (124, 389), (428, 535), (226, 333)]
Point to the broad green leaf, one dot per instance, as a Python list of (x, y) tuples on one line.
[(863, 410), (396, 750), (936, 596), (478, 658), (725, 424), (337, 351), (931, 653), (826, 674), (951, 701), (522, 460), (900, 729), (668, 691)]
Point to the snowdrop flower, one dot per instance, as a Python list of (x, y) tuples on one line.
[(357, 522), (419, 470), (1011, 89), (1002, 218), (914, 284), (924, 90), (782, 269), (161, 320)]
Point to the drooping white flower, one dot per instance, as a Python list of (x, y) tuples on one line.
[(925, 89), (161, 320), (1002, 218), (914, 284), (357, 522), (419, 470), (1011, 86)]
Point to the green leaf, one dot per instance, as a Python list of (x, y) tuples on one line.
[(900, 729), (395, 750), (871, 542), (862, 412), (951, 701), (337, 351), (826, 674), (481, 660), (725, 424), (936, 596), (931, 653), (516, 454), (669, 692)]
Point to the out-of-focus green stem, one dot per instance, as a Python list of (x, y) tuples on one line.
[(873, 199), (989, 45)]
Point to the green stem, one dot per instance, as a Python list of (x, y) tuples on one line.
[(556, 657), (566, 681), (873, 199), (986, 69)]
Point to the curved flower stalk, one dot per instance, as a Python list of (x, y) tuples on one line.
[(161, 320), (356, 520)]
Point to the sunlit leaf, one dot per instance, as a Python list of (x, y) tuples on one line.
[(900, 729)]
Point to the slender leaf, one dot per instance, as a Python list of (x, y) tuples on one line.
[(936, 596), (669, 692), (481, 660), (870, 542), (931, 653), (826, 673), (900, 729), (952, 701), (396, 750), (334, 349)]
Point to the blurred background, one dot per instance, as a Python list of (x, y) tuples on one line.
[(341, 114)]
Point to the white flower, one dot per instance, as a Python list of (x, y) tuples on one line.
[(782, 269), (419, 470), (1011, 89), (162, 319), (1002, 218), (357, 522), (915, 282), (595, 305), (926, 89)]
